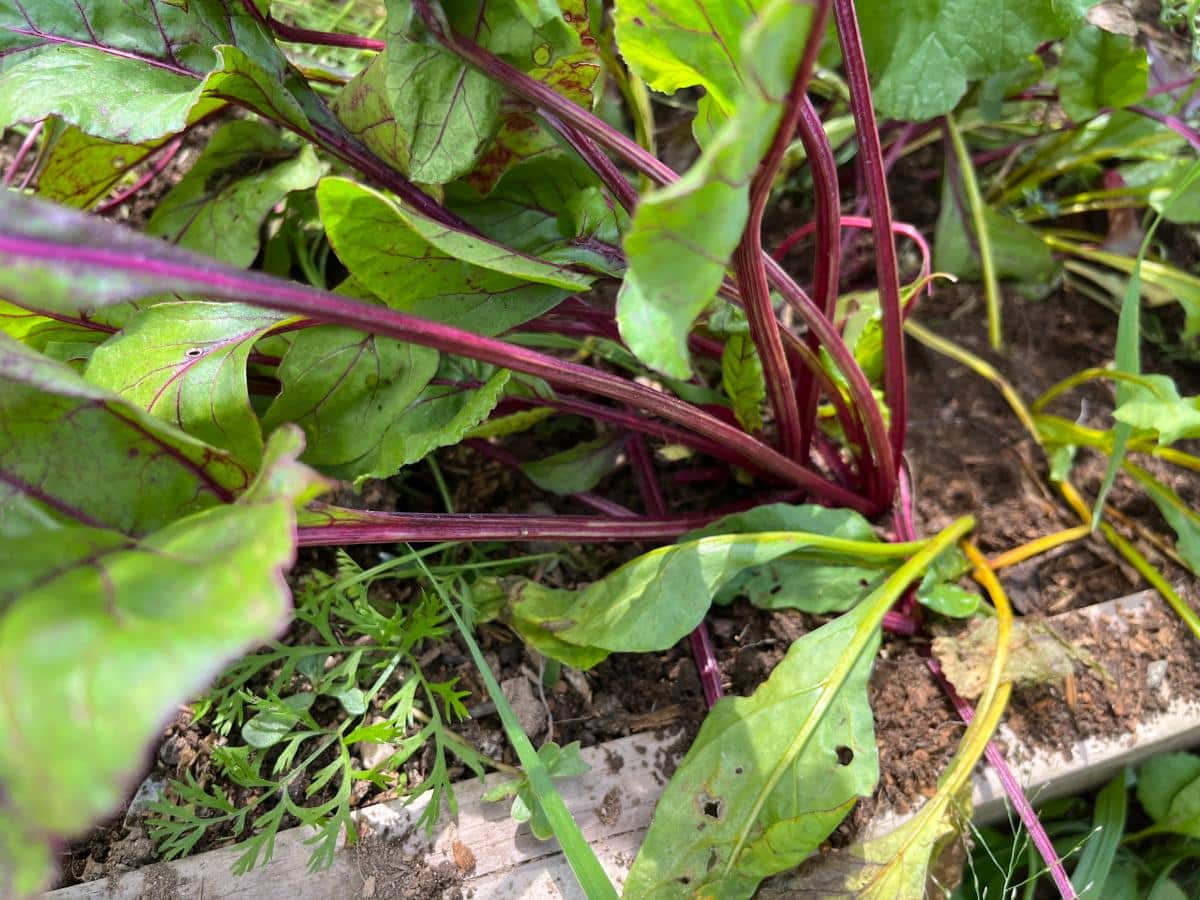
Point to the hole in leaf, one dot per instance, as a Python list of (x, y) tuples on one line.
[(845, 756), (711, 808), (738, 770), (193, 352)]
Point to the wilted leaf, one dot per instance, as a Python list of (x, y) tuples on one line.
[(1035, 656)]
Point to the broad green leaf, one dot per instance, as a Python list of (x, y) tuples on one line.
[(346, 390), (1099, 69), (1179, 515), (444, 108), (269, 727), (550, 207), (460, 396), (577, 469), (534, 613), (186, 363), (77, 455), (568, 64), (218, 207), (654, 600), (422, 268), (120, 631), (131, 73), (922, 54), (1169, 790), (1159, 409), (115, 97), (769, 776), (679, 44), (742, 379), (1162, 777), (683, 235), (1018, 252), (81, 169), (809, 586), (939, 590), (366, 112)]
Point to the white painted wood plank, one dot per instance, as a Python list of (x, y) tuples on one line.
[(616, 799)]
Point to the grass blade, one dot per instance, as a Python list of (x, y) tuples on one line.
[(1108, 825), (1129, 341), (591, 875)]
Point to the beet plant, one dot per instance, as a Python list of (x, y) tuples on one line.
[(436, 236)]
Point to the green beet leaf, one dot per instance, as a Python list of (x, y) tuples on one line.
[(1099, 69), (654, 600), (550, 207), (922, 54), (119, 631), (78, 455), (186, 363), (420, 267), (347, 389), (134, 73), (802, 584), (770, 775), (218, 207), (679, 44), (445, 109), (460, 396), (568, 63), (578, 469), (81, 169), (365, 111), (683, 235)]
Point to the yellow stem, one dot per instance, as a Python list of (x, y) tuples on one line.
[(1038, 546)]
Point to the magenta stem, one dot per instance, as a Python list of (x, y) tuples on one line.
[(748, 258), (1012, 787), (224, 282), (827, 260), (298, 35), (895, 382), (169, 152), (26, 145), (1176, 124), (706, 664), (368, 527)]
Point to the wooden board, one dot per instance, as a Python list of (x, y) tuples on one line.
[(613, 805)]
